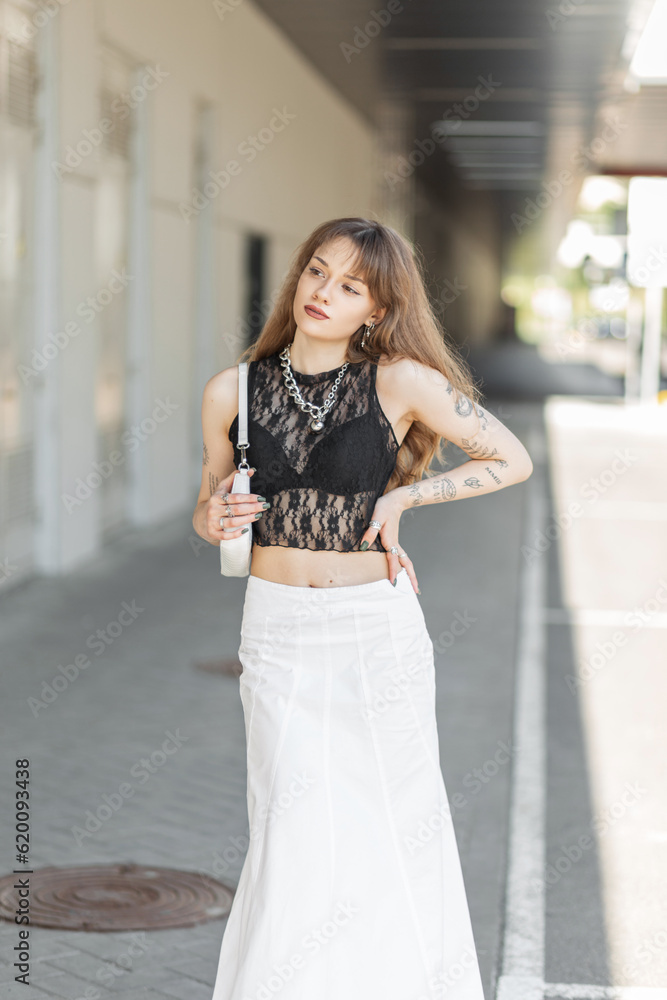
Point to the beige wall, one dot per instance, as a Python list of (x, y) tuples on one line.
[(318, 167)]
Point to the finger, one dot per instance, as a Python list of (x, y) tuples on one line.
[(224, 534), (244, 505), (248, 501), (406, 563)]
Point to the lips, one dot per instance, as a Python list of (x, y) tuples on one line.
[(315, 313)]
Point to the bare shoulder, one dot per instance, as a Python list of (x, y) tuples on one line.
[(222, 385), (405, 379), (220, 398)]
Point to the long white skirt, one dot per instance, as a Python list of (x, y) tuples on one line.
[(351, 888)]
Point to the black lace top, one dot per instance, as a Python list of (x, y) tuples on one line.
[(322, 487)]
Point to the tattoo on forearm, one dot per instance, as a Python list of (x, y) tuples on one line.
[(205, 458), (473, 482), (477, 450), (213, 481), (444, 489), (415, 494), (492, 474)]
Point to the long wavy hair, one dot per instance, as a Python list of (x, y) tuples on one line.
[(393, 271)]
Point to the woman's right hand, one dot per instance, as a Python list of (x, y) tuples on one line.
[(244, 507)]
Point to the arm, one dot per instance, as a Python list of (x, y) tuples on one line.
[(497, 457), (219, 407)]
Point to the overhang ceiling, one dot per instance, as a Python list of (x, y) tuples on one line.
[(554, 76)]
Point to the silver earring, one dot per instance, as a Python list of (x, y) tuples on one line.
[(367, 329)]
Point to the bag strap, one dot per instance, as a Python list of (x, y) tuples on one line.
[(242, 438)]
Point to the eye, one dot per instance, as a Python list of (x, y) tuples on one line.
[(316, 270)]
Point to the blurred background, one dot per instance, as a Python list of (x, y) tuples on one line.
[(159, 164)]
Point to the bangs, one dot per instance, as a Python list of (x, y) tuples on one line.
[(366, 259)]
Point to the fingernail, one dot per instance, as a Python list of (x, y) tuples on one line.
[(418, 590), (259, 514), (244, 531), (393, 582), (364, 546), (261, 498)]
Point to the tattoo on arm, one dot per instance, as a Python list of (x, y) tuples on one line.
[(477, 450), (482, 416), (463, 406), (205, 458), (213, 481), (444, 489), (473, 482), (415, 494), (496, 478)]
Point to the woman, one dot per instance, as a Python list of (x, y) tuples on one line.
[(352, 887)]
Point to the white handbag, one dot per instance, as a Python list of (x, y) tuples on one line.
[(235, 553)]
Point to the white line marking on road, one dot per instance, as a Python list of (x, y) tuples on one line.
[(522, 974), (574, 991)]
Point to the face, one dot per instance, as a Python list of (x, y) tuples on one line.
[(329, 286)]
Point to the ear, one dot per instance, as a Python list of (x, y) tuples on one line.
[(378, 315)]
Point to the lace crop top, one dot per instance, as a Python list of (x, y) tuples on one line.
[(322, 487)]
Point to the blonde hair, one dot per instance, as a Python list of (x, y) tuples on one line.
[(409, 329)]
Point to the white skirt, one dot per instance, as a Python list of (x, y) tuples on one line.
[(351, 888)]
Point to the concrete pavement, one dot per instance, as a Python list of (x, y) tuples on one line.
[(473, 560)]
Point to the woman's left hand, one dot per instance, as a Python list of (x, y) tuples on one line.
[(388, 512)]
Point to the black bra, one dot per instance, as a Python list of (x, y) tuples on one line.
[(322, 487)]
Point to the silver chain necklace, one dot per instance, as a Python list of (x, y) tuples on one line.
[(316, 425)]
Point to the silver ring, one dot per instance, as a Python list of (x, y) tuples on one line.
[(225, 497), (229, 513), (221, 524), (394, 549), (374, 524)]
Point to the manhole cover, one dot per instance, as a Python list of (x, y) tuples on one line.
[(229, 668), (123, 897)]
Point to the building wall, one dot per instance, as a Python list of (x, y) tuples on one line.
[(216, 82)]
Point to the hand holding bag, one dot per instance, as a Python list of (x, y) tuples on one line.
[(235, 553)]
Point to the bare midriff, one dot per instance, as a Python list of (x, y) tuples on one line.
[(308, 568)]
